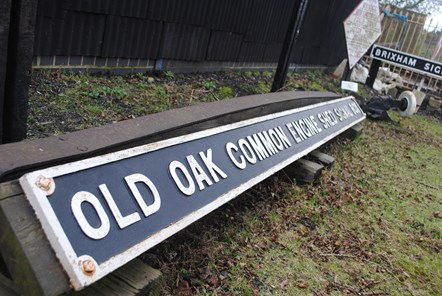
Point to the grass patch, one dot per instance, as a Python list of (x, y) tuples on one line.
[(62, 102), (371, 226)]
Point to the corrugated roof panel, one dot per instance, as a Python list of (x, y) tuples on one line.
[(132, 8), (272, 53), (95, 6), (310, 55), (116, 28), (79, 34), (224, 46), (43, 36), (313, 31), (260, 14), (131, 38), (52, 8), (252, 52), (192, 12), (279, 20), (329, 33), (230, 15), (184, 42), (297, 53)]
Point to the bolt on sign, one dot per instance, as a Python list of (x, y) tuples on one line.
[(102, 212), (408, 61), (362, 28)]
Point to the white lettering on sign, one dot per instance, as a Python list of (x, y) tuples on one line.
[(241, 162), (433, 68), (176, 166), (214, 170), (303, 129), (247, 153), (355, 108), (395, 57), (328, 119), (122, 222), (93, 232), (201, 171), (139, 178), (101, 231), (343, 112), (257, 146), (198, 172)]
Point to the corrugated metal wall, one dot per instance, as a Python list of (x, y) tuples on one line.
[(190, 30)]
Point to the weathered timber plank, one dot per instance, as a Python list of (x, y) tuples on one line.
[(9, 189), (19, 158), (354, 132), (134, 278), (25, 249), (304, 171), (322, 158), (7, 287)]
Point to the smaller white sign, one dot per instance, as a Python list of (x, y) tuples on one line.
[(348, 85)]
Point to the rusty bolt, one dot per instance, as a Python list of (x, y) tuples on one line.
[(88, 267), (46, 184)]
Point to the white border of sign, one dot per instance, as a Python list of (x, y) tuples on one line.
[(58, 239)]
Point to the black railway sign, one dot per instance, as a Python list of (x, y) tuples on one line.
[(102, 212), (405, 60)]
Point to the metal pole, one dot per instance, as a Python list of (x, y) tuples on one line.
[(373, 72), (18, 69), (5, 13), (291, 38)]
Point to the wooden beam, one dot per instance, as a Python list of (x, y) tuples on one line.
[(24, 247), (7, 287), (322, 158), (354, 132), (134, 278), (304, 171)]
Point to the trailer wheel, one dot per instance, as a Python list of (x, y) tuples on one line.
[(410, 108)]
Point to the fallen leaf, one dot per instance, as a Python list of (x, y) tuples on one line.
[(184, 288), (302, 285), (213, 280)]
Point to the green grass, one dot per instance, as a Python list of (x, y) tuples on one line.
[(74, 101), (377, 225), (372, 225)]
